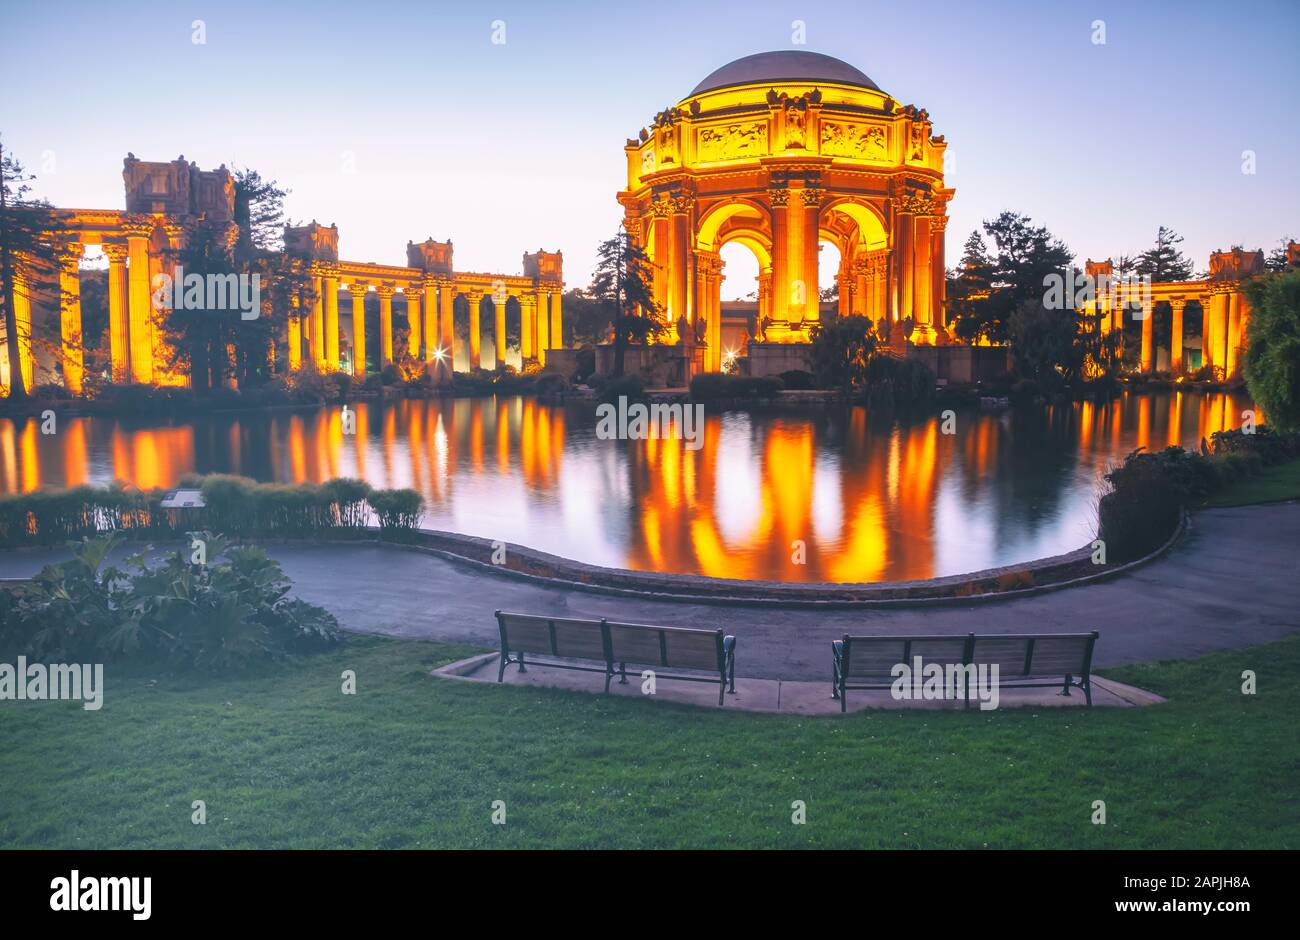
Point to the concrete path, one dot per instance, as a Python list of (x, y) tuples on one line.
[(786, 696), (1234, 580)]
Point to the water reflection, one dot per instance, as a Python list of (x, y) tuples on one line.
[(768, 496)]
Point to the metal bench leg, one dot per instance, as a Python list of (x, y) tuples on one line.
[(1066, 690), (609, 674), (622, 673), (1087, 691), (722, 690), (501, 670), (521, 663)]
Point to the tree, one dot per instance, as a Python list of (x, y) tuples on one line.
[(31, 237), (259, 212), (1276, 259), (1165, 262), (841, 351), (622, 283), (1272, 366), (1026, 256), (972, 285)]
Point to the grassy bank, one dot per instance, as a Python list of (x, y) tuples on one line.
[(1272, 484), (282, 759)]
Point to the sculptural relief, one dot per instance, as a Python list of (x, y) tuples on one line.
[(731, 141), (853, 140)]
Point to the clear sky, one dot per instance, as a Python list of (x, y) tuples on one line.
[(401, 121)]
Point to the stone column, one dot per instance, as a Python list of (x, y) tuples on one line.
[(1236, 301), (412, 294), (23, 326), (922, 306), (357, 289), (1148, 325), (1214, 331), (527, 326), (543, 327), (330, 283), (475, 329), (316, 332), (139, 298), (430, 320), (499, 301), (118, 323), (294, 338), (905, 227), (938, 273), (70, 318), (557, 319), (1176, 335), (660, 227), (781, 277), (804, 252), (447, 322), (385, 292)]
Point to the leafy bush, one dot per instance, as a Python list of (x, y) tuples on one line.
[(840, 350), (233, 504), (798, 379), (396, 510), (550, 385), (586, 364), (630, 386), (224, 614), (1142, 508), (1272, 360), (1269, 445), (894, 382)]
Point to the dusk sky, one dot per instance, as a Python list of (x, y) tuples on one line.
[(401, 121)]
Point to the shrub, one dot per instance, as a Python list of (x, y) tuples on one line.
[(396, 510), (1269, 445), (390, 374), (1272, 359), (586, 364), (894, 382), (550, 385), (224, 614), (630, 386), (348, 498), (1141, 510), (798, 379)]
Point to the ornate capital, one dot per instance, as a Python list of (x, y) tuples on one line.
[(660, 209), (812, 197), (69, 255), (115, 251), (138, 225), (359, 288), (386, 290), (682, 203), (780, 196)]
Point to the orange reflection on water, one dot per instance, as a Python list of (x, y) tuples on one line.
[(789, 497)]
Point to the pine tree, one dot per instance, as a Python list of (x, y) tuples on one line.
[(1165, 262), (622, 283)]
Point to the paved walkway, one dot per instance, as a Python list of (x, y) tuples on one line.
[(1234, 580), (787, 696)]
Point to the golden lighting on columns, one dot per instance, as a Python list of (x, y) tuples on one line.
[(330, 285), (138, 230), (70, 317), (781, 151), (475, 298), (412, 294), (385, 292), (118, 326), (357, 290)]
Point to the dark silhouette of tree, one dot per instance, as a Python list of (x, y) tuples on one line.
[(1165, 262), (622, 284), (31, 236)]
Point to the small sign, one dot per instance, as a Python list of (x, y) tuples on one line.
[(183, 499)]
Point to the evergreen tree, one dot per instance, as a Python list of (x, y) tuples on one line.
[(622, 283), (1165, 262)]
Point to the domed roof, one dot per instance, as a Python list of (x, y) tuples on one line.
[(786, 65)]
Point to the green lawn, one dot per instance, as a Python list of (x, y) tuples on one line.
[(1270, 485), (283, 759)]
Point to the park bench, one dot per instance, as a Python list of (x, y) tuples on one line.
[(567, 643), (1024, 660)]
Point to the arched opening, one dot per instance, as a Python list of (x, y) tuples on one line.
[(830, 262), (740, 304)]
